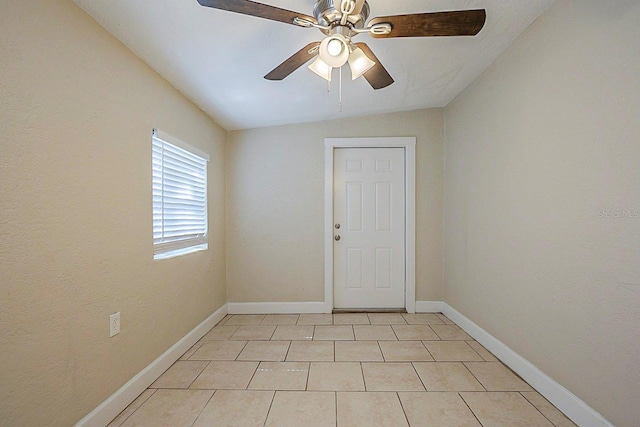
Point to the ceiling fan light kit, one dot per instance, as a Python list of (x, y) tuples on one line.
[(334, 50), (321, 68), (340, 21), (359, 63)]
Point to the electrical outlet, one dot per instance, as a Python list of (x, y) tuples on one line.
[(114, 324)]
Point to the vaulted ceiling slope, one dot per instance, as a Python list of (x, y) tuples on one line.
[(218, 58)]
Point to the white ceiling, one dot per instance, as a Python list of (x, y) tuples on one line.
[(218, 58)]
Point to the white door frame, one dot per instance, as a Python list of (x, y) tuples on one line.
[(409, 145)]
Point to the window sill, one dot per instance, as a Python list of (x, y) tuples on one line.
[(179, 252)]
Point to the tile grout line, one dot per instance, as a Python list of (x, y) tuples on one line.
[(406, 417), (467, 405), (394, 333), (537, 409), (364, 379), (384, 359), (306, 384), (135, 410), (272, 333), (241, 350), (193, 352), (474, 375), (427, 348), (287, 353), (419, 377), (252, 376), (197, 376), (434, 331), (204, 406), (474, 350), (273, 397)]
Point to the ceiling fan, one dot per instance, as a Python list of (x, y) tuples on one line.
[(340, 21)]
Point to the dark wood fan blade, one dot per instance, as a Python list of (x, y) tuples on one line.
[(378, 77), (294, 62), (248, 7), (437, 24)]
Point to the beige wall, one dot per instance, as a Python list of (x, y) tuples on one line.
[(538, 152), (275, 205), (542, 201), (76, 113)]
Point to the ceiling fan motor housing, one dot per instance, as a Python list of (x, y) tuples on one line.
[(328, 14)]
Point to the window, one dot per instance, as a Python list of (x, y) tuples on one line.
[(179, 197)]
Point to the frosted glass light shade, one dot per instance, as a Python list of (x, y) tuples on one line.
[(321, 68), (359, 63), (334, 50)]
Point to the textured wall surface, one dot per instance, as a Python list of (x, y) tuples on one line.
[(76, 113), (275, 205), (542, 201)]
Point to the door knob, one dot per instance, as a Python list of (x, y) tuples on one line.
[(337, 237), (337, 226)]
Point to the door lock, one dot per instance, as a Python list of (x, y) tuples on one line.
[(337, 237), (337, 226)]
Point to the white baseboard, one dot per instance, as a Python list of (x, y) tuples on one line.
[(118, 401), (275, 307), (571, 405), (429, 306)]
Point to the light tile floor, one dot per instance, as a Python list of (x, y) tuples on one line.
[(346, 370)]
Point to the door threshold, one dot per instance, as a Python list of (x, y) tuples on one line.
[(368, 310)]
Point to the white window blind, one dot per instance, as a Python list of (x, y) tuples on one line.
[(179, 197)]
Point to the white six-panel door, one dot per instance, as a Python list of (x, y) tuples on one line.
[(369, 228)]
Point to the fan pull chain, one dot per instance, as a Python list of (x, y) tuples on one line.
[(340, 92)]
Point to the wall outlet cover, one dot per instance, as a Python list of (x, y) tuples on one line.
[(114, 324)]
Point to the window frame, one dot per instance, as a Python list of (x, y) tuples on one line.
[(176, 245)]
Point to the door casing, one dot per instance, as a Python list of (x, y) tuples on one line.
[(409, 145)]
